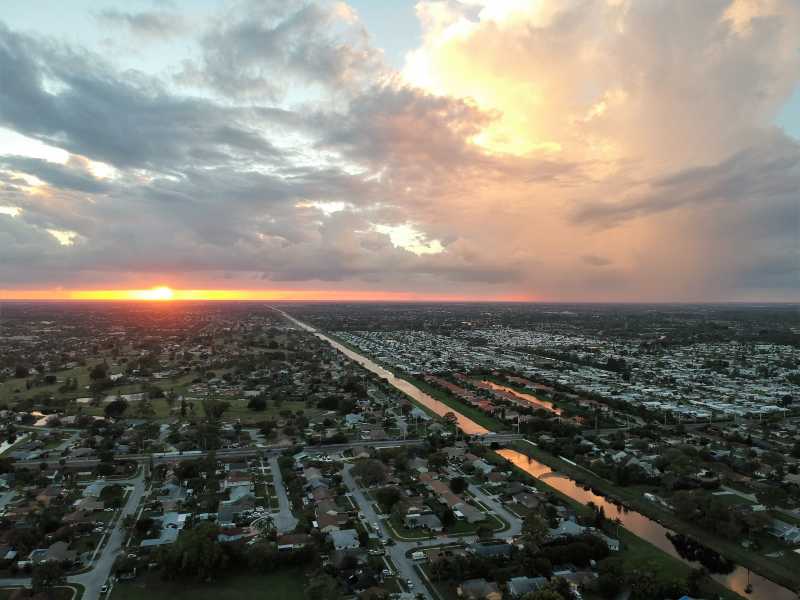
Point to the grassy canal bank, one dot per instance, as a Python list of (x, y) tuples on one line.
[(630, 497)]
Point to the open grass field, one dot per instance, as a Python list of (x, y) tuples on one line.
[(286, 585), (238, 410)]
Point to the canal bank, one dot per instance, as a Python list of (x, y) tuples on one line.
[(643, 527), (632, 500), (736, 581)]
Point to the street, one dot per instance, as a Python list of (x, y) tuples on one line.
[(284, 520), (99, 571), (397, 552)]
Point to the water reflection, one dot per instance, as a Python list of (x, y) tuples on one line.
[(466, 425), (529, 398), (645, 528)]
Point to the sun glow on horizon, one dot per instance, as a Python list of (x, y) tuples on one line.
[(156, 293), (167, 294)]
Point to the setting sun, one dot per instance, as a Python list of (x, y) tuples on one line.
[(157, 293)]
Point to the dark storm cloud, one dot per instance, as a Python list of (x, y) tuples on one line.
[(74, 101), (766, 173), (72, 176)]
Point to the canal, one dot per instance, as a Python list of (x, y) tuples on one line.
[(645, 528), (529, 398), (466, 424), (636, 523)]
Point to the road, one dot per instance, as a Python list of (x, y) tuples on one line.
[(94, 579), (404, 565), (397, 552), (250, 452), (98, 573), (284, 520)]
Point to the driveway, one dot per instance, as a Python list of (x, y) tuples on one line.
[(284, 520), (515, 524)]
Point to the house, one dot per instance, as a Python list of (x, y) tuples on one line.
[(293, 541), (89, 504), (479, 589), (48, 494), (566, 528), (229, 510), (346, 539), (613, 544), (785, 531), (171, 525), (491, 549), (57, 552), (519, 586), (468, 513), (93, 490), (526, 499), (427, 521), (481, 466)]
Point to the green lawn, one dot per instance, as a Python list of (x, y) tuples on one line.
[(238, 410), (286, 585), (61, 593), (477, 415)]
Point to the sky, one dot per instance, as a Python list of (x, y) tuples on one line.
[(536, 150)]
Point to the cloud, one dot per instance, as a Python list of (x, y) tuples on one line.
[(767, 172), (75, 175), (151, 25), (595, 261), (581, 150), (259, 49), (73, 100)]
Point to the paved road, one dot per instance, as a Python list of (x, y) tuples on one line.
[(405, 566), (6, 498), (284, 520), (250, 452), (515, 524), (94, 579), (397, 552), (97, 575)]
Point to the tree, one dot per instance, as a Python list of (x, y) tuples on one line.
[(772, 496), (116, 408), (534, 529), (323, 587), (458, 485), (257, 403), (196, 554), (371, 471), (695, 580), (796, 449), (448, 518), (99, 371), (387, 497), (46, 576)]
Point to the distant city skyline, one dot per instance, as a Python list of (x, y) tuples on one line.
[(550, 150)]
